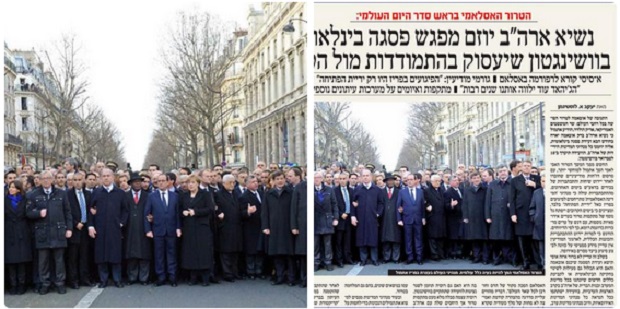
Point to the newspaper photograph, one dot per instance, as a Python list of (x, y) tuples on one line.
[(464, 154)]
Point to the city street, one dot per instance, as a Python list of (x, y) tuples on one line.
[(382, 269), (246, 293)]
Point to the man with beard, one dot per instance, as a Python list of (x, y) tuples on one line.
[(390, 231), (521, 190), (497, 213), (435, 217)]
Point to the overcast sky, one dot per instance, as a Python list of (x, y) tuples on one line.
[(387, 122), (121, 43)]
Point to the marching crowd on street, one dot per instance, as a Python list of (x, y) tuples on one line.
[(69, 227), (482, 214)]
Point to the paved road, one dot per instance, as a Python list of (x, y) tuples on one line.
[(382, 269), (246, 293)]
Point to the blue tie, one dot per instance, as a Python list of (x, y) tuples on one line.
[(163, 199), (345, 193), (82, 205)]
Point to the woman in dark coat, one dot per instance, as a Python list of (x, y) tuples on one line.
[(17, 237), (197, 241), (276, 224)]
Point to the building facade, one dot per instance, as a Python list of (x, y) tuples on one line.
[(12, 143), (275, 85), (491, 133), (232, 90)]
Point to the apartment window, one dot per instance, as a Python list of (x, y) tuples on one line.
[(292, 71), (282, 69), (237, 156), (263, 95), (275, 48), (303, 66), (25, 124), (276, 94), (236, 134), (24, 104)]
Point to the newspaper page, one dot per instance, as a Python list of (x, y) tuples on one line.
[(508, 107)]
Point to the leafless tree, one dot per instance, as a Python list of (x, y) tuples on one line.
[(67, 88), (340, 138), (99, 139), (418, 150), (196, 61)]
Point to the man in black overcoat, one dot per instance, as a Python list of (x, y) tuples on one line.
[(138, 247), (521, 189), (110, 212)]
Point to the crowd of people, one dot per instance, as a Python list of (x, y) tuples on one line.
[(487, 215), (66, 226)]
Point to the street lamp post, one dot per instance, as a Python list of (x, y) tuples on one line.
[(289, 28)]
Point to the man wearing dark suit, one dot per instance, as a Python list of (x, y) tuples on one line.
[(229, 228), (253, 240), (78, 256), (435, 217), (453, 198), (343, 194), (325, 219), (475, 225), (390, 231), (537, 215), (497, 214), (521, 189), (368, 203), (411, 201), (109, 211), (163, 205), (137, 246)]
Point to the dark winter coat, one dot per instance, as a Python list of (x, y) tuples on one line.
[(520, 199), (197, 240), (390, 230), (17, 234), (473, 211), (537, 214), (276, 217), (253, 238), (50, 232), (299, 217), (370, 207), (435, 219), (454, 216), (325, 210), (230, 232), (112, 212), (497, 208), (137, 245)]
